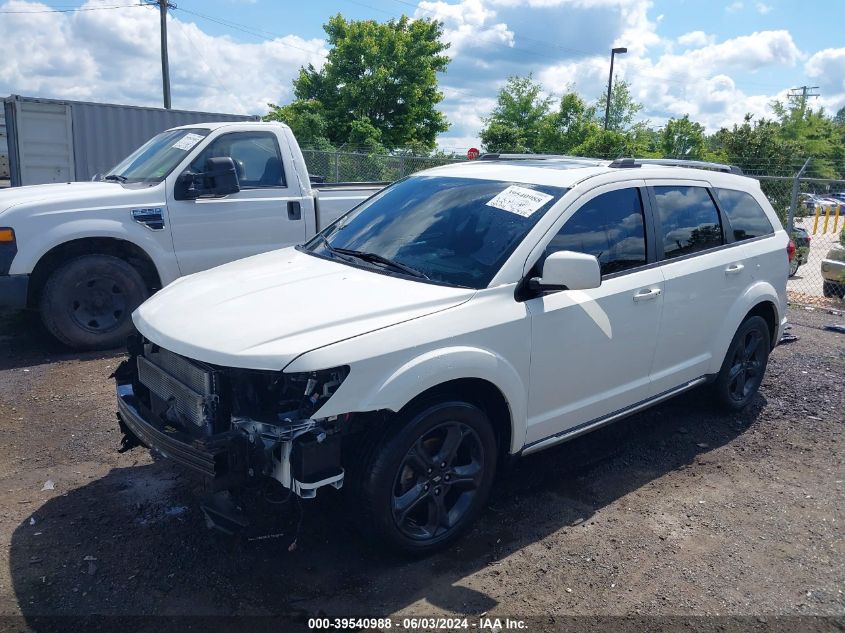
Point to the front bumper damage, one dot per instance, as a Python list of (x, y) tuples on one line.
[(193, 414)]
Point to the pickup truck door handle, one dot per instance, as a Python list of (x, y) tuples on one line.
[(294, 210), (733, 269), (647, 294)]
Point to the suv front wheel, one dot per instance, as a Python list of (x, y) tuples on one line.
[(428, 480), (744, 365)]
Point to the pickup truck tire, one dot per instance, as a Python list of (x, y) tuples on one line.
[(87, 302), (425, 482), (745, 363)]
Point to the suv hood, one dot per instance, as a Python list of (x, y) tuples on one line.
[(67, 194), (264, 311)]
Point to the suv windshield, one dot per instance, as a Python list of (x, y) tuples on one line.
[(457, 231), (156, 158)]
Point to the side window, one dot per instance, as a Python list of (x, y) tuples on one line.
[(609, 226), (747, 218), (256, 155), (689, 220)]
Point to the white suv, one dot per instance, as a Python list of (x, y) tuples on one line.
[(460, 317)]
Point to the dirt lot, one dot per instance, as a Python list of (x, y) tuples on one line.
[(677, 511)]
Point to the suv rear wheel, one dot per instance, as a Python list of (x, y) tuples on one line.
[(87, 302), (427, 481), (744, 365)]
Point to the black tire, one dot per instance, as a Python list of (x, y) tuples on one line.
[(794, 265), (87, 302), (745, 364), (403, 491)]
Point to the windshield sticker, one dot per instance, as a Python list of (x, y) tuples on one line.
[(187, 141), (519, 200)]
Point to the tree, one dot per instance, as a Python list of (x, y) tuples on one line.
[(306, 121), (570, 126), (516, 123), (383, 75), (682, 138), (623, 108)]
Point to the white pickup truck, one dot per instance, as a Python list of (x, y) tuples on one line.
[(86, 254)]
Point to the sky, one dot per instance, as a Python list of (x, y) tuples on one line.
[(712, 59)]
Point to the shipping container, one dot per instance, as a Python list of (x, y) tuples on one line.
[(52, 140), (4, 150)]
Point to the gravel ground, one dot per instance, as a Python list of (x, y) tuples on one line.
[(679, 511)]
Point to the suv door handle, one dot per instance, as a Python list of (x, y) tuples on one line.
[(733, 269), (647, 294), (294, 210)]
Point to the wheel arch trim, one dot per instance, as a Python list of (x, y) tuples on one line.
[(394, 389), (758, 294)]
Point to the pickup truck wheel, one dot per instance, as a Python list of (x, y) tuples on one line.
[(428, 480), (87, 302), (744, 365)]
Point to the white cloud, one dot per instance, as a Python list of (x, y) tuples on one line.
[(762, 8), (734, 7), (696, 39), (113, 56), (827, 69)]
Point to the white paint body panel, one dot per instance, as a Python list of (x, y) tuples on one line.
[(561, 361), (198, 234)]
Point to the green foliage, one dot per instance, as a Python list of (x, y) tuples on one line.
[(623, 108), (516, 123), (306, 121), (378, 87), (682, 138)]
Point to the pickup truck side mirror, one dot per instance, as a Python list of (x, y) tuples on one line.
[(567, 270), (186, 186)]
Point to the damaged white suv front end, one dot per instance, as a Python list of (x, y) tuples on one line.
[(462, 316)]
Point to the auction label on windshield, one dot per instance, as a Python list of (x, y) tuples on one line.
[(187, 141), (520, 200)]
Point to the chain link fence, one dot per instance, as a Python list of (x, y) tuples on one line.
[(808, 207), (813, 212), (345, 166)]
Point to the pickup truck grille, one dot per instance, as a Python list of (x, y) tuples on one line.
[(182, 392)]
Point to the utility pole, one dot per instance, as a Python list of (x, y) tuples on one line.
[(613, 53), (800, 94), (163, 6)]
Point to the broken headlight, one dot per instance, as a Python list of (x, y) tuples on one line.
[(308, 391)]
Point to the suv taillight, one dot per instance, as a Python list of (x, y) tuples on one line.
[(790, 250)]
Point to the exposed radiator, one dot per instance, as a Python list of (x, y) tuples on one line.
[(186, 390)]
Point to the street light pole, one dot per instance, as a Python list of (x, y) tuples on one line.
[(613, 53)]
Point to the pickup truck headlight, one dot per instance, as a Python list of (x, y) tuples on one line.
[(8, 249)]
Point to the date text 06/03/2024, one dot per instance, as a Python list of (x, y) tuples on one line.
[(415, 624)]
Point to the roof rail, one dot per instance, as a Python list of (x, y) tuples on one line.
[(498, 156), (629, 163)]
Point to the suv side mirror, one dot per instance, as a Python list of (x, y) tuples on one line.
[(220, 177), (567, 270)]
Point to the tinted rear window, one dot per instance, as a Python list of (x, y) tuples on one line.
[(747, 218), (689, 220)]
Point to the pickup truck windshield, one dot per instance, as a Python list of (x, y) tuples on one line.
[(457, 231), (155, 159)]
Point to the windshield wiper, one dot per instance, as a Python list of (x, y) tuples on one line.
[(116, 177), (378, 259)]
